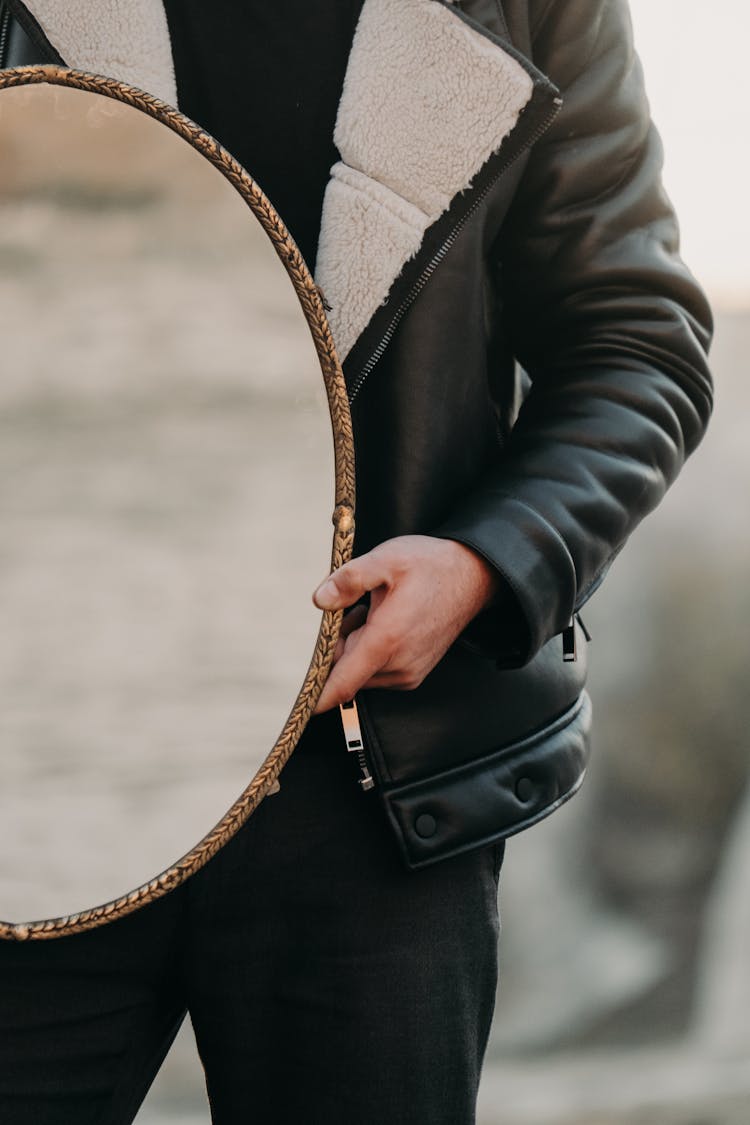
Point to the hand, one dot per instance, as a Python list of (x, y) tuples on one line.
[(423, 593)]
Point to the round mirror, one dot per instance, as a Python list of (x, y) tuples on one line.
[(168, 475)]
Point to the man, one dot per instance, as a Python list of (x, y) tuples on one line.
[(494, 205)]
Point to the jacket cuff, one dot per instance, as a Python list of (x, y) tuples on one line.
[(537, 594), (500, 632)]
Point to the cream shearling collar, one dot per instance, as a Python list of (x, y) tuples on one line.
[(123, 39), (427, 99)]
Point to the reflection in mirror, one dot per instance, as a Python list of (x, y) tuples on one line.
[(166, 490)]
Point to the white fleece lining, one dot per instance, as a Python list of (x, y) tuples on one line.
[(381, 230), (123, 39), (426, 101)]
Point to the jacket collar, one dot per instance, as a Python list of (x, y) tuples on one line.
[(428, 97), (430, 94), (123, 39)]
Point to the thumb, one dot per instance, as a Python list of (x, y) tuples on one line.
[(351, 581)]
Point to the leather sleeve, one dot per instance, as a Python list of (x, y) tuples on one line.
[(607, 321)]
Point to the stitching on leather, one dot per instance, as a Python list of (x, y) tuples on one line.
[(468, 769)]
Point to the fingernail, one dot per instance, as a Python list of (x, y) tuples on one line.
[(326, 595)]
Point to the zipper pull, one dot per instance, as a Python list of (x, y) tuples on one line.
[(570, 649), (354, 744), (569, 643)]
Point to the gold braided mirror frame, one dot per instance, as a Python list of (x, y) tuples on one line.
[(343, 515)]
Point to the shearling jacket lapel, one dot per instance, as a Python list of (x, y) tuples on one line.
[(428, 97), (123, 39)]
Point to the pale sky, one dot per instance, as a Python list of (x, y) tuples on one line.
[(695, 56)]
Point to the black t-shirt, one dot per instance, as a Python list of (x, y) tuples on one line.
[(265, 80)]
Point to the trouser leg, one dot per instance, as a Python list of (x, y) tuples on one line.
[(85, 1021), (330, 985), (326, 983)]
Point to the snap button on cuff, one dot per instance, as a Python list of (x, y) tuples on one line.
[(425, 826), (525, 789)]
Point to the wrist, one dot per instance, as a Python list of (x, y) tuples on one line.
[(483, 580)]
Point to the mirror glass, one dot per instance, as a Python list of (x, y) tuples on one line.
[(166, 492)]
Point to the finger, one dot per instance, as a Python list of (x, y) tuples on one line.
[(365, 652), (407, 679), (397, 680), (354, 619), (351, 581)]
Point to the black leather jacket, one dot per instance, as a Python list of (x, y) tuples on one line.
[(530, 387), (567, 264)]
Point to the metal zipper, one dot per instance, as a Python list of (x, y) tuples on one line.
[(445, 247), (31, 28), (349, 713), (4, 32), (354, 742)]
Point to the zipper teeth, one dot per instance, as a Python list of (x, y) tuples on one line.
[(443, 250), (368, 781), (4, 31), (31, 28)]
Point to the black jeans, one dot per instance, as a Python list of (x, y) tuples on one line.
[(326, 984)]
